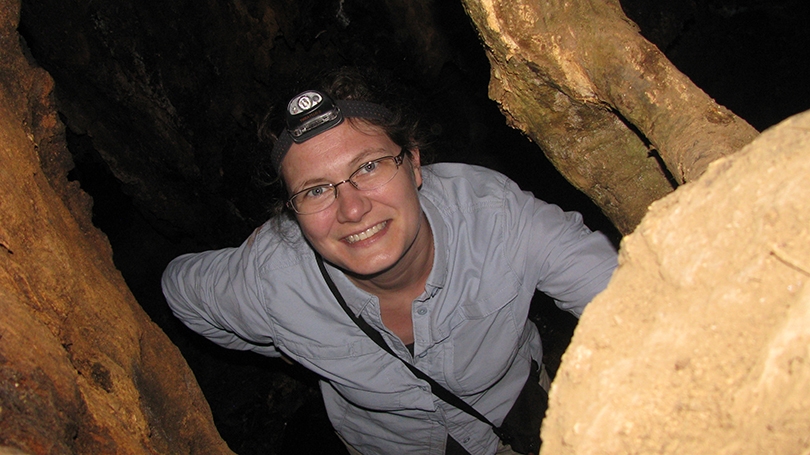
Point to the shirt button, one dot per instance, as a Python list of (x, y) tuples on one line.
[(421, 311), (465, 440)]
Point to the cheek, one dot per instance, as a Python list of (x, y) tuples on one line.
[(412, 195), (314, 227)]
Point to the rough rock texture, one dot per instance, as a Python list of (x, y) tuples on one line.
[(162, 100), (701, 343), (82, 368), (604, 104)]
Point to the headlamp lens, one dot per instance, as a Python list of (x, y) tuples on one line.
[(311, 113), (304, 102)]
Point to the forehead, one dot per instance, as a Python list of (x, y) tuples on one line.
[(336, 150)]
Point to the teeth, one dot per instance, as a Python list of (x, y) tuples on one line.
[(367, 233)]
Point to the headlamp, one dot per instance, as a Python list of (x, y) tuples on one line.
[(310, 113)]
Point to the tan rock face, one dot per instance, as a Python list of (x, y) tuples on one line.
[(82, 368), (701, 343)]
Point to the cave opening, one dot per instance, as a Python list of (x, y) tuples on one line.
[(749, 55)]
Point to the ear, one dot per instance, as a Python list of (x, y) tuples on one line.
[(417, 167)]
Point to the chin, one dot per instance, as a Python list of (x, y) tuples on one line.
[(368, 268)]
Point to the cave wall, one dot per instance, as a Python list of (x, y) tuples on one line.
[(606, 106), (82, 368), (701, 342), (165, 99)]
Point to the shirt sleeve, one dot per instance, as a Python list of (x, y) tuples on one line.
[(217, 294), (569, 263)]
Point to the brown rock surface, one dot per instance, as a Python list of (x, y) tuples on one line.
[(82, 368), (701, 343)]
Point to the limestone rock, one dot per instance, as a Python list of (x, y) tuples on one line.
[(701, 343)]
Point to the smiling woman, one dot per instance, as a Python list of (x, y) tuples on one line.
[(378, 234), (434, 269)]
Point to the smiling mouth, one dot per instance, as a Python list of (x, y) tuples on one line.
[(354, 238)]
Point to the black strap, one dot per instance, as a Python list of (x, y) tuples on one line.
[(437, 389)]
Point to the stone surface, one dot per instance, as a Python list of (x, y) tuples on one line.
[(82, 368), (163, 99), (606, 106), (701, 343)]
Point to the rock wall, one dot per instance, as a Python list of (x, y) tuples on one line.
[(82, 368), (605, 105), (701, 343)]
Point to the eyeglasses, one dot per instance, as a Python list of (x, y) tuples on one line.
[(369, 176)]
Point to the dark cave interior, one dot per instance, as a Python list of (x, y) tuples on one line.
[(750, 55)]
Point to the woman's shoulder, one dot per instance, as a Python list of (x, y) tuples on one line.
[(464, 170), (464, 183), (277, 244)]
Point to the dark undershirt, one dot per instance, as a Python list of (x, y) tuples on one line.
[(454, 448)]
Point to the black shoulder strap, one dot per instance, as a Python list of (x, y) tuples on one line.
[(437, 389)]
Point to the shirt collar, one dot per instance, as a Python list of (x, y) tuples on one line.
[(438, 276)]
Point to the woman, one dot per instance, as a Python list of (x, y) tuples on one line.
[(441, 260)]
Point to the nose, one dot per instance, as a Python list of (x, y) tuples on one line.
[(352, 203)]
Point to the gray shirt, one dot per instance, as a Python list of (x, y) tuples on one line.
[(495, 245)]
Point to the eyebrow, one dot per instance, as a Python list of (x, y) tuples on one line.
[(362, 158)]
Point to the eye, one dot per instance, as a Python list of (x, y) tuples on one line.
[(316, 192), (368, 168)]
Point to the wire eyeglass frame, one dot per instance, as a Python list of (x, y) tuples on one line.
[(322, 201)]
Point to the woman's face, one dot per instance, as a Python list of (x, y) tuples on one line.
[(363, 232)]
